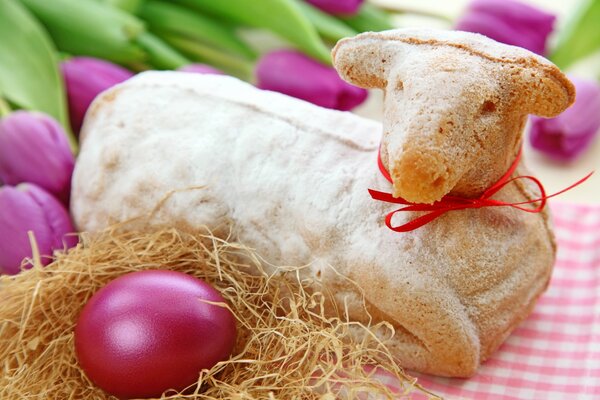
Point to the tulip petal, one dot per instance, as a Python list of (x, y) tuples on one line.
[(200, 69), (86, 77), (26, 208), (510, 22), (20, 214), (343, 7), (349, 97), (295, 74), (57, 218), (500, 30), (516, 11), (565, 137), (34, 148)]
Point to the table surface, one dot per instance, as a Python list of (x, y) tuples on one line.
[(555, 176)]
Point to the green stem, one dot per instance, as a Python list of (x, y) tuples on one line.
[(138, 66), (72, 142), (203, 53), (4, 108), (131, 6), (414, 10), (160, 54)]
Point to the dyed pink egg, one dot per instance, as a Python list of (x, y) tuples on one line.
[(150, 331)]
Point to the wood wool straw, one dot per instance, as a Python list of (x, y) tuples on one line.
[(288, 345)]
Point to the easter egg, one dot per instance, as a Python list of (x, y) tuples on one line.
[(149, 331)]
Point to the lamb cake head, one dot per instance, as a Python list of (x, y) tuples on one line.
[(455, 105), (292, 181)]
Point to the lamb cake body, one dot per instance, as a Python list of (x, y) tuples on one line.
[(291, 180)]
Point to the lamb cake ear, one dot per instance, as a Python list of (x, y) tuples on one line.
[(364, 61), (536, 85), (542, 89)]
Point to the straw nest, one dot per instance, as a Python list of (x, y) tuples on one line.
[(288, 347)]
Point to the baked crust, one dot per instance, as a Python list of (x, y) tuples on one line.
[(456, 104), (290, 179)]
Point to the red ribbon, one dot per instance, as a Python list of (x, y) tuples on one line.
[(449, 203)]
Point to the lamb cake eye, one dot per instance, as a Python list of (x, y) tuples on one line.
[(488, 107)]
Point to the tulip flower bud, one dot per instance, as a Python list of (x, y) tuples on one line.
[(345, 7), (28, 207), (295, 74), (85, 78), (34, 148), (510, 22), (200, 69), (568, 135)]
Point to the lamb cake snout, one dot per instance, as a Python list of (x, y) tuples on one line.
[(292, 181)]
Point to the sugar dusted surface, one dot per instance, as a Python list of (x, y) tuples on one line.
[(455, 105), (290, 179)]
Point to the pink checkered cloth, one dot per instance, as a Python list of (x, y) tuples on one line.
[(555, 353)]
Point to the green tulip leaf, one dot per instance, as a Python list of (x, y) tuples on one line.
[(282, 17), (5, 108), (160, 54), (328, 26), (369, 18), (85, 27), (131, 6), (581, 37), (168, 17), (29, 74), (200, 52)]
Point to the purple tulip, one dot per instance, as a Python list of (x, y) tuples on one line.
[(85, 78), (510, 22), (200, 69), (568, 135), (345, 7), (28, 207), (34, 148), (295, 74)]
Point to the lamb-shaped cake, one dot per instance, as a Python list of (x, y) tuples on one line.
[(292, 180)]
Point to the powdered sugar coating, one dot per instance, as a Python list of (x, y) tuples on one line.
[(290, 179), (455, 104)]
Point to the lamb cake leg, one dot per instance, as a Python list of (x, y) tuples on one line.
[(291, 180)]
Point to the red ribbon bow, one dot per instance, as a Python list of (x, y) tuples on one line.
[(449, 203)]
